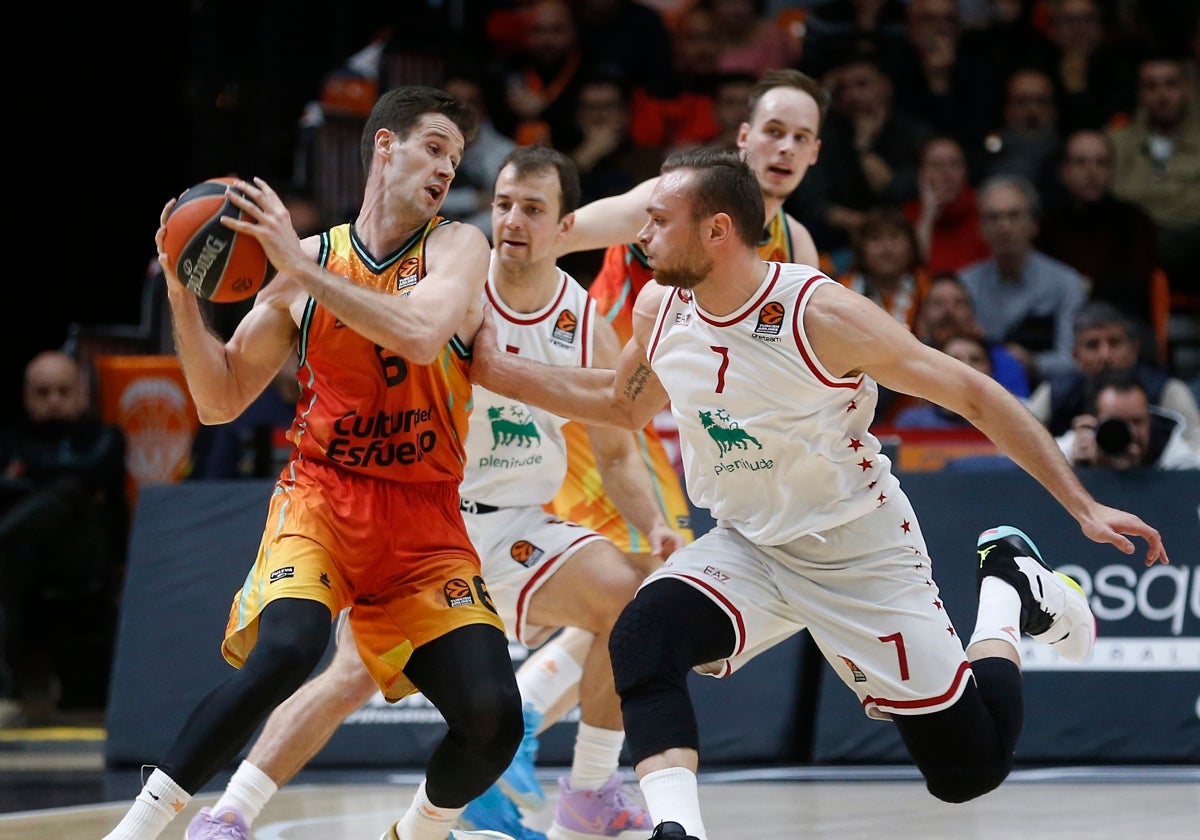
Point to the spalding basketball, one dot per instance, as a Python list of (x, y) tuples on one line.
[(214, 262)]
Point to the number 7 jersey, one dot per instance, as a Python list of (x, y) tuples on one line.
[(773, 444)]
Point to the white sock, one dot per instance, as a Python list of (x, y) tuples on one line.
[(158, 803), (597, 754), (673, 794), (426, 821), (547, 674), (999, 613), (248, 791)]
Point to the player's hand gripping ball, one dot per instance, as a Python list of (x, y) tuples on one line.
[(214, 262)]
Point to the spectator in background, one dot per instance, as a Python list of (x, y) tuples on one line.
[(1104, 339), (1027, 142), (1158, 165), (887, 264), (870, 153), (752, 42), (944, 213), (608, 160), (471, 199), (533, 92), (968, 347), (683, 114), (1119, 429), (833, 26), (954, 90), (1009, 38), (1021, 296), (628, 39), (64, 523), (946, 310), (1094, 72), (1110, 241)]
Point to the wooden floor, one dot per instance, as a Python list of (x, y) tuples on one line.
[(777, 804)]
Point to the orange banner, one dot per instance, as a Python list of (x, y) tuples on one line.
[(148, 398)]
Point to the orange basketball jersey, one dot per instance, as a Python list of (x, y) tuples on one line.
[(369, 410)]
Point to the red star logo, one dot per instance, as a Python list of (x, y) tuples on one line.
[(853, 406), (937, 602), (906, 526), (882, 498), (855, 444), (865, 464), (950, 630)]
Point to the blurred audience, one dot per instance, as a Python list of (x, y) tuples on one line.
[(1113, 243), (1027, 142), (471, 198), (628, 39), (869, 152), (954, 90), (1010, 39), (1158, 165), (1119, 429), (1104, 339), (682, 114), (751, 40), (533, 91), (64, 524), (945, 213), (1094, 69), (887, 267), (1021, 296), (969, 348), (946, 310)]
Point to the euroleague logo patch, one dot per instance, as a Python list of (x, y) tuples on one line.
[(770, 319), (564, 327), (525, 553), (458, 593)]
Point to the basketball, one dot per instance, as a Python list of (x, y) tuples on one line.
[(214, 262)]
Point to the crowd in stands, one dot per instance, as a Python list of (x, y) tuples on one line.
[(1018, 181)]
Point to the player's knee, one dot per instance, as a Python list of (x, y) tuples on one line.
[(645, 646), (490, 722)]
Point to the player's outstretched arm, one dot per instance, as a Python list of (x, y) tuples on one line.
[(851, 335), (614, 220)]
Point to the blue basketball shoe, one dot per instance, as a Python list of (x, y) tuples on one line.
[(493, 811)]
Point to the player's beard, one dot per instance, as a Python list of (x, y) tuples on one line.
[(685, 273)]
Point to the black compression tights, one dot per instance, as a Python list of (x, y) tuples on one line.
[(666, 630), (967, 750), (292, 636), (468, 675)]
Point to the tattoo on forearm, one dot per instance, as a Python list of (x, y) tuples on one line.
[(636, 383)]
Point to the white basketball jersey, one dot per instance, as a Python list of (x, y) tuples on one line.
[(773, 444), (516, 454)]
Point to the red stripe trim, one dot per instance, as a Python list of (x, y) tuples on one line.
[(797, 334), (749, 308), (925, 702)]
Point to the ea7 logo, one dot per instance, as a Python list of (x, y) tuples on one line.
[(716, 574)]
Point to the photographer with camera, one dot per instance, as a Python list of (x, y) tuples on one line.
[(1119, 429)]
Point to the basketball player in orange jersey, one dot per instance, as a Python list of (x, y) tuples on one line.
[(381, 313), (780, 141)]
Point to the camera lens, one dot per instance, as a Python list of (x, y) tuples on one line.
[(1113, 436)]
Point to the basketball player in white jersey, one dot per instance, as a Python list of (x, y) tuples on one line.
[(543, 573), (771, 372)]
